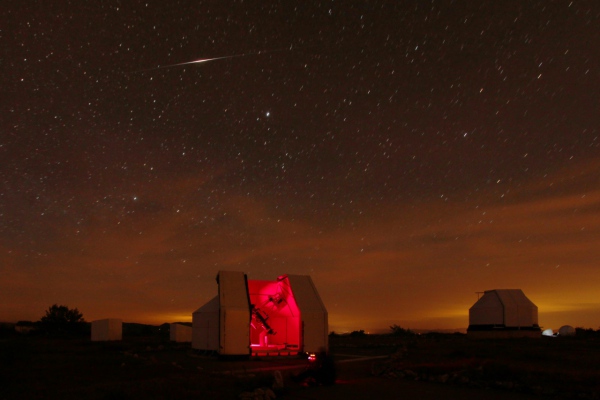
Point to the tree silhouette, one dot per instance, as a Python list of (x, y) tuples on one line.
[(358, 333), (61, 320), (399, 331)]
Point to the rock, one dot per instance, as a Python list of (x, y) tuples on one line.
[(536, 389), (259, 394), (378, 369), (410, 374), (269, 394), (277, 380), (176, 365), (503, 384)]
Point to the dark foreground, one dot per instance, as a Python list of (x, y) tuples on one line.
[(371, 367)]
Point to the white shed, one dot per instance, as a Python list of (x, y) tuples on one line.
[(205, 326), (505, 312), (107, 329), (180, 333), (281, 317)]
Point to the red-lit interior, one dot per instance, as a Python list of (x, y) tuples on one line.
[(275, 325)]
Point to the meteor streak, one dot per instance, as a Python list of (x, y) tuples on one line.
[(203, 60)]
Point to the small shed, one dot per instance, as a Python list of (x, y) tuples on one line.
[(258, 317), (205, 326), (107, 329), (503, 313), (180, 333)]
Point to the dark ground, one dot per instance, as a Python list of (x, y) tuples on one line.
[(369, 367)]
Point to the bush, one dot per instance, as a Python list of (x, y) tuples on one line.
[(358, 333), (587, 333), (399, 331), (61, 320)]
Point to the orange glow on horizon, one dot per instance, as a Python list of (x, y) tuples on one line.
[(418, 265)]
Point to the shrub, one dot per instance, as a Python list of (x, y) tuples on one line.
[(61, 320), (399, 331)]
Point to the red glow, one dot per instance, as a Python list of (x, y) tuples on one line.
[(275, 325)]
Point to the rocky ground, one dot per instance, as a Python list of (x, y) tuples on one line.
[(425, 366), (552, 367)]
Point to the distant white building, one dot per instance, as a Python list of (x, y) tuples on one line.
[(107, 329), (503, 313), (566, 330), (180, 333), (24, 327), (254, 317)]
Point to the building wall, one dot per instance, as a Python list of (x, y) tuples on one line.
[(180, 333), (107, 329), (234, 314), (504, 307), (205, 326)]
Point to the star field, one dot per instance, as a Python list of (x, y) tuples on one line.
[(409, 152)]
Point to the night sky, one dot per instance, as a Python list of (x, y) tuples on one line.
[(404, 154)]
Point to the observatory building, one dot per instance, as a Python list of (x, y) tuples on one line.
[(255, 317), (503, 313)]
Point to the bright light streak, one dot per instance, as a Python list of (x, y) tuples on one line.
[(202, 60)]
